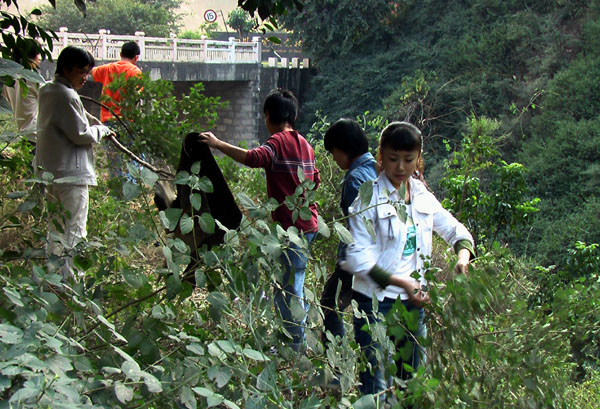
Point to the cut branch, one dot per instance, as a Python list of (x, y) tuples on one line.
[(112, 137)]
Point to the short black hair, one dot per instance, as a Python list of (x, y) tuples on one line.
[(282, 106), (130, 50), (346, 135), (71, 57)]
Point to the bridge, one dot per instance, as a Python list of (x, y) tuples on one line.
[(105, 46), (233, 70)]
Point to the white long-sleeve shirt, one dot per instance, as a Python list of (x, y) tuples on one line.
[(386, 250), (65, 137), (25, 108)]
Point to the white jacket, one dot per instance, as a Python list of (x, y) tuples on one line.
[(65, 137), (428, 215), (25, 108)]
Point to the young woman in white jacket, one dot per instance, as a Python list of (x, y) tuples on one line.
[(393, 240)]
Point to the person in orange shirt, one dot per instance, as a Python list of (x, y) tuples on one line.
[(106, 74)]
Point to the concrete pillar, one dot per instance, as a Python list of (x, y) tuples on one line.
[(294, 63), (272, 62), (63, 33), (173, 37), (284, 63), (102, 54), (257, 48), (305, 63), (142, 43), (231, 49)]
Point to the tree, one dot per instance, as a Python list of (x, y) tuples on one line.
[(120, 17), (239, 20)]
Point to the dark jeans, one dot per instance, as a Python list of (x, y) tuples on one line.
[(374, 381), (333, 320)]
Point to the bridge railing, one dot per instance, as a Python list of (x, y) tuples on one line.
[(104, 46)]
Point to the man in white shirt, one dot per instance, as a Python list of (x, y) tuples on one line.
[(64, 148), (25, 106)]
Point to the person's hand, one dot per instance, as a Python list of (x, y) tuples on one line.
[(416, 295), (462, 265), (209, 139), (104, 130)]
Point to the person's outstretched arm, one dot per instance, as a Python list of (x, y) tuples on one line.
[(235, 152)]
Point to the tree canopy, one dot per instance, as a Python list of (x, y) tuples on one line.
[(155, 18)]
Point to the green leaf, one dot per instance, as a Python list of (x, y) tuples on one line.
[(182, 178), (365, 402), (305, 213), (131, 191), (148, 177), (10, 334), (124, 393), (207, 223), (220, 375), (433, 383), (131, 369), (365, 193), (24, 394), (271, 246), (196, 200), (204, 392), (133, 279), (170, 218), (5, 383), (187, 398), (323, 227), (186, 224), (246, 202), (255, 355), (152, 383), (343, 233), (195, 348), (205, 184), (195, 169), (14, 296)]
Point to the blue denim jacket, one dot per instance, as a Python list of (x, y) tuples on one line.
[(361, 170)]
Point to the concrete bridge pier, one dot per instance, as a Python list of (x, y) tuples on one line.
[(244, 86)]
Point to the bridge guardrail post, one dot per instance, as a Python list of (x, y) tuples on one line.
[(142, 43), (102, 54), (232, 49), (174, 39), (63, 32), (257, 49)]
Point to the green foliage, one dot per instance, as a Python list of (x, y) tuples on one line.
[(205, 29), (269, 9), (155, 19), (158, 119), (21, 36), (487, 194), (240, 21), (562, 154)]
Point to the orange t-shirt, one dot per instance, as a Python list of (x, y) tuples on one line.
[(105, 75)]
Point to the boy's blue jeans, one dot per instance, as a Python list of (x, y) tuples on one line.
[(374, 381), (293, 291)]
